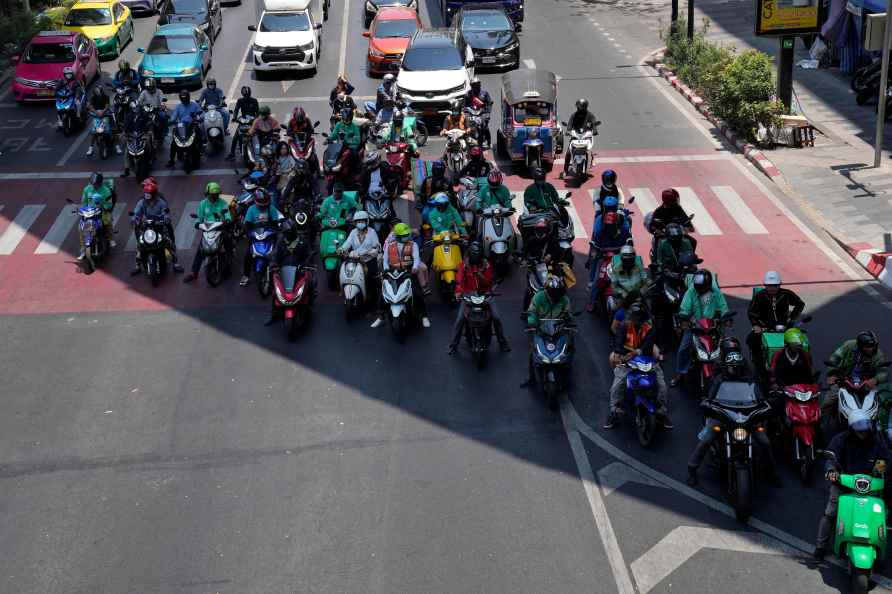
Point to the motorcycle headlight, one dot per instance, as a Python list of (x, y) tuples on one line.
[(803, 396), (739, 434), (149, 236), (702, 354)]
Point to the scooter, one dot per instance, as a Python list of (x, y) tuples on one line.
[(213, 129), (242, 138), (860, 533), (141, 153), (447, 257), (803, 416), (218, 260), (456, 155), (856, 394), (581, 144), (537, 274), (254, 144), (602, 290), (707, 333), (71, 109), (396, 286), (497, 235), (93, 236), (399, 164), (552, 357), (263, 242), (334, 233), (187, 148), (478, 121), (102, 132), (153, 248), (467, 201), (641, 393), (303, 146), (478, 325), (773, 339), (294, 296), (352, 278), (381, 213)]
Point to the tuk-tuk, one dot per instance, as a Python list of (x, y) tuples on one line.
[(530, 131)]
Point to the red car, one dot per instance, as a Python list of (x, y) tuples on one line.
[(389, 36), (44, 58)]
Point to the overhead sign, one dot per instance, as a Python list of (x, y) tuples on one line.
[(787, 17)]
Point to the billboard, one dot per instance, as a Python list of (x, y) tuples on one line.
[(787, 17)]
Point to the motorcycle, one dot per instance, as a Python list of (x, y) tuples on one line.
[(497, 235), (263, 243), (353, 284), (582, 143), (552, 357), (399, 164), (396, 287), (157, 120), (456, 155), (641, 392), (478, 325), (294, 296), (467, 201), (707, 333), (537, 274), (71, 109), (381, 212), (102, 132), (860, 534), (93, 236), (254, 144), (332, 168), (153, 248), (121, 103), (801, 421), (410, 120), (738, 412), (334, 233), (447, 257), (213, 129), (478, 121), (187, 148), (856, 394), (141, 153), (603, 303), (773, 339), (241, 140), (218, 260)]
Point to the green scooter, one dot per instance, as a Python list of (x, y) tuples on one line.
[(334, 233), (860, 525)]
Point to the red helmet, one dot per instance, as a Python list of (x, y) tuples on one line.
[(610, 218), (670, 196), (149, 186), (476, 152), (494, 177)]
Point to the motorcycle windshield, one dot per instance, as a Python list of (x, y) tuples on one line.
[(289, 276), (549, 328), (737, 394)]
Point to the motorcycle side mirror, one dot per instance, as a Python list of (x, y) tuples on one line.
[(568, 195), (564, 124), (365, 33), (829, 454), (631, 199), (324, 134), (166, 211), (316, 124), (252, 27), (164, 100), (283, 126)]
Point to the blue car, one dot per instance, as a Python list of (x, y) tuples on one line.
[(178, 57)]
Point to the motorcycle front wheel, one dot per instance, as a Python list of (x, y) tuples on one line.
[(213, 271), (264, 283), (420, 133), (743, 494), (860, 580), (646, 426)]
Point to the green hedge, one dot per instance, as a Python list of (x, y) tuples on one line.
[(16, 30), (739, 87)]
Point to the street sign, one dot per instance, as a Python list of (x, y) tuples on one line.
[(787, 17)]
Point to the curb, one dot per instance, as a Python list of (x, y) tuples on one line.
[(752, 154), (875, 261)]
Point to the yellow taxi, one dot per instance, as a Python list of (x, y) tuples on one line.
[(107, 22)]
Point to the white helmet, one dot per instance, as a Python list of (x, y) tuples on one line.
[(388, 78), (771, 278), (860, 420), (360, 215)]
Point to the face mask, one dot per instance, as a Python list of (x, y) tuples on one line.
[(361, 226), (148, 196)]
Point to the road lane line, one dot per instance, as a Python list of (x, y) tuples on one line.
[(185, 231), (738, 209), (531, 64), (645, 200), (703, 221), (345, 24), (19, 226), (580, 230), (240, 70), (596, 502), (75, 146), (120, 208), (59, 230)]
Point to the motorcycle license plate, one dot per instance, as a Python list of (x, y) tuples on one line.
[(167, 81), (488, 60)]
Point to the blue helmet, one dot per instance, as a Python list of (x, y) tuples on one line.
[(256, 176), (611, 203), (440, 199), (608, 178)]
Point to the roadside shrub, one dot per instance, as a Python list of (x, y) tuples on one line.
[(745, 95), (17, 29)]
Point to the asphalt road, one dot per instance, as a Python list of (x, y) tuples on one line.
[(165, 441)]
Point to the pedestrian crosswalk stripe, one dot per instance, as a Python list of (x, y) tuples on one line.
[(19, 227), (185, 231), (578, 227), (738, 209), (645, 200), (59, 230), (703, 222), (120, 208)]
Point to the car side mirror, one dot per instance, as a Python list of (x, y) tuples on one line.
[(365, 34), (252, 27), (141, 50)]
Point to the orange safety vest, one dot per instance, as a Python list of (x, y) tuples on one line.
[(393, 256), (635, 339)]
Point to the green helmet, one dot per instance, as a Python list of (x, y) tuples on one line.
[(402, 230), (212, 188), (264, 111), (793, 337)]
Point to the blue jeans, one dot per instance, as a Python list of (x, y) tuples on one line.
[(683, 357)]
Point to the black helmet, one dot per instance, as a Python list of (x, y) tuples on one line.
[(674, 231), (627, 256), (149, 84), (398, 117), (211, 82), (538, 174), (555, 288), (730, 353), (184, 96), (688, 260), (475, 84), (608, 178), (96, 179), (475, 252), (703, 282), (438, 169), (582, 104), (637, 312), (867, 340), (246, 91)]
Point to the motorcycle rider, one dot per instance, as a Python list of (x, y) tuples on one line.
[(136, 122), (627, 274), (672, 248), (127, 77), (337, 206), (150, 96), (186, 112), (154, 206), (860, 355), (373, 175), (401, 133), (385, 114), (293, 248), (858, 451), (74, 85), (478, 96), (364, 243), (455, 120), (445, 217), (284, 171), (260, 214), (247, 106), (99, 101), (551, 302), (433, 184), (386, 91), (733, 367), (494, 193), (475, 275), (611, 232), (211, 95), (635, 335), (669, 211), (339, 98), (403, 253), (771, 307), (98, 195), (582, 119), (542, 244), (541, 195), (210, 210), (477, 166), (351, 130), (608, 188), (791, 365), (301, 124), (702, 300), (264, 125)]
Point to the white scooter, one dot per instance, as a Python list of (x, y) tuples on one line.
[(467, 200), (396, 286), (497, 235), (582, 143), (352, 276), (456, 156), (213, 129)]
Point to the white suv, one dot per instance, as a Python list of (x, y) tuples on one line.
[(288, 37), (436, 69)]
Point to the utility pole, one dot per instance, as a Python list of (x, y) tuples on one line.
[(785, 71), (674, 25), (690, 19), (884, 80)]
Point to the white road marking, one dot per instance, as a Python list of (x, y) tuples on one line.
[(685, 541), (742, 214), (286, 85), (240, 70), (531, 64), (659, 158), (342, 63), (616, 474), (599, 510), (120, 208), (703, 221), (185, 231), (645, 200), (75, 146), (579, 229), (59, 230), (19, 226)]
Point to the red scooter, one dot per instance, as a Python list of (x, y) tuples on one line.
[(295, 292), (399, 163), (707, 333), (602, 288), (803, 416)]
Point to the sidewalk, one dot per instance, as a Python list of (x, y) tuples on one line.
[(835, 179)]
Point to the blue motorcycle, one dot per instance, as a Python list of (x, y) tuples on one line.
[(263, 243), (70, 109), (93, 236), (552, 357), (641, 393)]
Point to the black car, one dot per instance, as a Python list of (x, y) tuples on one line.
[(490, 34), (204, 14), (372, 6)]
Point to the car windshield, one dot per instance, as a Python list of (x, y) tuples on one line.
[(187, 6), (283, 22), (49, 53), (86, 17), (531, 110), (433, 58), (486, 21), (171, 44), (398, 28)]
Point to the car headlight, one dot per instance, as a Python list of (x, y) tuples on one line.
[(305, 47), (739, 434), (259, 48), (190, 70), (374, 52), (148, 73), (511, 47)]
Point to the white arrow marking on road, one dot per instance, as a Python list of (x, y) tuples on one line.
[(685, 541), (616, 474), (703, 221), (18, 227), (185, 231), (286, 85), (735, 205), (58, 231)]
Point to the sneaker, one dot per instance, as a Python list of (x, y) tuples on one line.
[(692, 479), (378, 322), (81, 255), (190, 277), (665, 421), (118, 150), (244, 282), (112, 243), (425, 321), (612, 420), (90, 152)]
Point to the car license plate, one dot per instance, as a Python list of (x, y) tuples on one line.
[(488, 60), (167, 81), (45, 93), (283, 65)]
